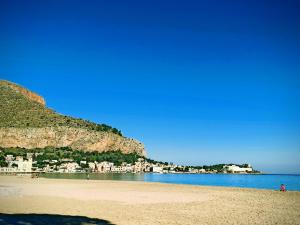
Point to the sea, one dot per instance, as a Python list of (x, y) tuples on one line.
[(258, 181)]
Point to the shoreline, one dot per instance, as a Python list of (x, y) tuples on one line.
[(138, 202), (154, 179), (171, 184), (149, 182), (33, 172)]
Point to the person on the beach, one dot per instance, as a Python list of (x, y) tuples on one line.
[(282, 188)]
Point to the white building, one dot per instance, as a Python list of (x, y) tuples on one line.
[(18, 165), (127, 168), (237, 169), (70, 167), (104, 167), (201, 171), (49, 168), (92, 166), (138, 167), (9, 158), (118, 169), (25, 166), (157, 169), (82, 162), (147, 167)]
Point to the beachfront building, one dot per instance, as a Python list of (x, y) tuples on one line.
[(48, 169), (83, 162), (118, 169), (201, 171), (147, 167), (157, 169), (17, 164), (104, 167), (92, 166), (70, 167), (192, 170), (127, 167), (237, 169), (8, 169), (138, 167), (25, 166), (21, 164)]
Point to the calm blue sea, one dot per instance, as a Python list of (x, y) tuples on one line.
[(265, 181)]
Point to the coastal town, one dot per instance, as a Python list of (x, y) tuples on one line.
[(20, 164)]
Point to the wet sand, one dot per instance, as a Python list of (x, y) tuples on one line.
[(126, 202)]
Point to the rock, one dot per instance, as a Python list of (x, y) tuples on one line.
[(25, 122), (75, 138), (29, 94)]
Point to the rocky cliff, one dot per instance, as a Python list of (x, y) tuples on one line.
[(28, 94), (75, 138), (26, 122)]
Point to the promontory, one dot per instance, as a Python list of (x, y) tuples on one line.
[(26, 122)]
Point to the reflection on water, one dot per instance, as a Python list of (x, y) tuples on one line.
[(266, 181)]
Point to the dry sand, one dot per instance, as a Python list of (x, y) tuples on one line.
[(125, 202)]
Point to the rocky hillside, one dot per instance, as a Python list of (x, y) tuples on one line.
[(28, 94), (26, 122)]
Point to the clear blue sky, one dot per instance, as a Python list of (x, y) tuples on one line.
[(198, 82)]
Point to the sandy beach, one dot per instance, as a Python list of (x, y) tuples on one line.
[(126, 202)]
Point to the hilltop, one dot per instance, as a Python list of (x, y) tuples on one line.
[(26, 122), (23, 108)]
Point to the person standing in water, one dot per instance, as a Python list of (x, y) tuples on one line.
[(282, 188)]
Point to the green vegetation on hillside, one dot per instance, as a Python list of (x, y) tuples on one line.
[(18, 111)]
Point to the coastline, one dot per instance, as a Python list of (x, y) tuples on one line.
[(265, 181), (127, 202)]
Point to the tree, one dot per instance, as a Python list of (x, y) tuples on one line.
[(14, 165), (3, 163)]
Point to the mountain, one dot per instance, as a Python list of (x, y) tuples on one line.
[(26, 122)]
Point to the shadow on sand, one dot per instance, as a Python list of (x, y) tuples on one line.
[(41, 219)]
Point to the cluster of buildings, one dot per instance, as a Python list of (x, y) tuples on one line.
[(69, 166), (19, 164)]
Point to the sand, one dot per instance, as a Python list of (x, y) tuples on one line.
[(126, 202)]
